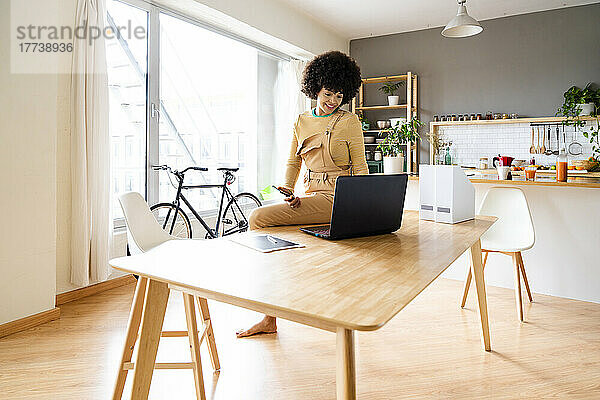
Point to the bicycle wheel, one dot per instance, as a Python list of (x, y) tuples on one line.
[(237, 211), (164, 214)]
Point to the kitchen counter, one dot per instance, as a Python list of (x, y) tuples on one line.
[(540, 180), (564, 260)]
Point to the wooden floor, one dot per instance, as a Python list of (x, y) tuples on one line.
[(431, 349)]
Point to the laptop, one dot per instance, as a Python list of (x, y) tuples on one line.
[(364, 205)]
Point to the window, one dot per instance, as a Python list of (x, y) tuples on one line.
[(215, 100), (127, 68)]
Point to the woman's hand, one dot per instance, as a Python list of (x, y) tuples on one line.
[(294, 202)]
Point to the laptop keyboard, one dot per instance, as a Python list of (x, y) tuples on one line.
[(320, 230)]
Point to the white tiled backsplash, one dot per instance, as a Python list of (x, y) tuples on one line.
[(470, 142)]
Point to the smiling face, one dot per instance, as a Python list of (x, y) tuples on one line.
[(328, 101)]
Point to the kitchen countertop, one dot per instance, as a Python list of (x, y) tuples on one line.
[(546, 178), (572, 181), (542, 178)]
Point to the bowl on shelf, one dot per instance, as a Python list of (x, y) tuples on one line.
[(383, 124), (394, 121), (369, 139)]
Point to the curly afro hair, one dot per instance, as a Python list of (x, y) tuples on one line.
[(333, 70)]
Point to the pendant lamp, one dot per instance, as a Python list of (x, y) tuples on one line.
[(462, 25)]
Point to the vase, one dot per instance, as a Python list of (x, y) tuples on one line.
[(586, 109), (393, 165), (393, 100)]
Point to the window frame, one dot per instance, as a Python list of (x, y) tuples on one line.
[(151, 190)]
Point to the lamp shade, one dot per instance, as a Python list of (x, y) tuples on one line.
[(462, 25)]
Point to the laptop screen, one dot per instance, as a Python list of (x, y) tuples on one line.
[(368, 204)]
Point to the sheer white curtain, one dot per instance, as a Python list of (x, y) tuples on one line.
[(91, 230), (289, 102)]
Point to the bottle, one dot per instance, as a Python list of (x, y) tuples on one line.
[(561, 165), (448, 160)]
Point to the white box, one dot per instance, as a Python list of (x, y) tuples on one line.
[(446, 194)]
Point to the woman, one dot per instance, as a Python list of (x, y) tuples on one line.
[(330, 143)]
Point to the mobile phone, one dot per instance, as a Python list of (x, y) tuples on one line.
[(284, 191)]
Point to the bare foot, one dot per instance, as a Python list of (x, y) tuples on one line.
[(267, 325)]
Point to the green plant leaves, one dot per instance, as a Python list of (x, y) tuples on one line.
[(398, 135), (390, 88)]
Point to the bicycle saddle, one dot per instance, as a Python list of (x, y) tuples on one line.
[(228, 169)]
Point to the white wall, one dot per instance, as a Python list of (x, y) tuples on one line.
[(28, 176)]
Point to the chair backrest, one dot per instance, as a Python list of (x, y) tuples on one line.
[(514, 218), (142, 227)]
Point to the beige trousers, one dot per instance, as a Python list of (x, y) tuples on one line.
[(314, 209)]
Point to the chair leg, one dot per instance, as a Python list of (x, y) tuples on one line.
[(466, 289), (133, 326), (519, 299), (192, 327), (153, 315), (522, 266), (468, 280), (210, 336)]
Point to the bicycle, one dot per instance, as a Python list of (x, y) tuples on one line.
[(231, 220)]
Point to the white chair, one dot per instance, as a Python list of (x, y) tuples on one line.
[(512, 233), (144, 232)]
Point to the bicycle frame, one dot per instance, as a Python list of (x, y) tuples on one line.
[(225, 192)]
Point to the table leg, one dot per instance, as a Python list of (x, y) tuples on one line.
[(192, 327), (210, 336), (152, 321), (477, 271), (133, 326), (346, 369)]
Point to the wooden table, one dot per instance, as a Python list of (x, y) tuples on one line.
[(341, 286)]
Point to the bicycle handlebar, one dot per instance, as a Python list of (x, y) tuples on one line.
[(195, 168), (167, 168)]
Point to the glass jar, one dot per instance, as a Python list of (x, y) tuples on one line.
[(561, 165)]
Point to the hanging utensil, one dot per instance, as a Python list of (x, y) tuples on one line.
[(532, 148), (555, 152), (549, 150), (575, 148), (543, 148), (537, 150)]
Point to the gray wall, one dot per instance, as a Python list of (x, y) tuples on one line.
[(519, 64)]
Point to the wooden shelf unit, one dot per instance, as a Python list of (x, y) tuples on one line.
[(433, 126), (411, 111), (398, 107)]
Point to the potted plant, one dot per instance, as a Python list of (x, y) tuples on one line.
[(390, 89), (579, 102), (393, 144)]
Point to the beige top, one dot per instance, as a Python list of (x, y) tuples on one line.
[(346, 145)]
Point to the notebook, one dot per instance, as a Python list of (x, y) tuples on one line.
[(264, 243)]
